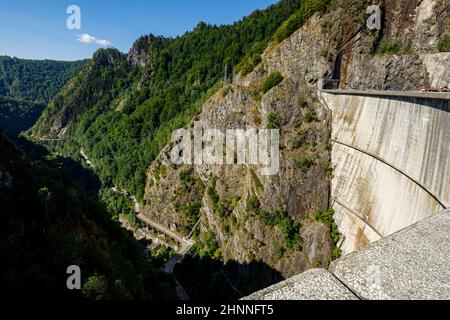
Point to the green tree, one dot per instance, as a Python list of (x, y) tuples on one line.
[(95, 288)]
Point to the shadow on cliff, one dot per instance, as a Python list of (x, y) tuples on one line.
[(202, 278), (78, 175), (49, 223), (206, 279)]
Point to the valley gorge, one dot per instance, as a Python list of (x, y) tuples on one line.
[(226, 231)]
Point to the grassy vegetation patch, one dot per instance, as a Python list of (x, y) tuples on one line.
[(273, 121), (208, 247), (444, 44), (278, 218), (289, 228), (212, 192), (310, 115), (249, 63), (273, 80), (328, 219), (388, 46), (252, 204)]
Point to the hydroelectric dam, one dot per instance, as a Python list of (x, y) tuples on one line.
[(391, 196), (391, 160)]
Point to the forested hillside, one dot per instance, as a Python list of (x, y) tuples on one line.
[(250, 230), (35, 80), (121, 109), (48, 224), (26, 86), (18, 115)]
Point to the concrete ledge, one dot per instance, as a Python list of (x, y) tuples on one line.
[(406, 94), (411, 264), (314, 284)]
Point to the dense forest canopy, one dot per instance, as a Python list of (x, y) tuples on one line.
[(49, 223), (18, 115), (122, 109), (35, 80), (26, 86)]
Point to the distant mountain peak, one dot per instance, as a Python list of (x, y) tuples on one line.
[(141, 51)]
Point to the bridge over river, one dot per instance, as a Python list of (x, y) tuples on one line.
[(185, 243)]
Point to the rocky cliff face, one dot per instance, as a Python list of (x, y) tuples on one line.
[(227, 195), (334, 45), (398, 56), (144, 53), (143, 50)]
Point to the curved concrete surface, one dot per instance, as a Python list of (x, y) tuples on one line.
[(391, 160)]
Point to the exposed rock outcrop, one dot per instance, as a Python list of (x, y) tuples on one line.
[(142, 52), (390, 72), (334, 45), (298, 189)]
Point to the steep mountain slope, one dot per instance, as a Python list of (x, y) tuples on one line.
[(26, 86), (35, 80), (122, 109), (283, 221), (49, 224), (254, 229)]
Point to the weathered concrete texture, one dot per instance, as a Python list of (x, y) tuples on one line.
[(391, 160), (385, 199), (315, 284), (411, 264), (241, 236), (358, 233), (410, 134)]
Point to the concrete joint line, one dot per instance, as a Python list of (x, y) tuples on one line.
[(395, 168), (346, 286), (359, 217)]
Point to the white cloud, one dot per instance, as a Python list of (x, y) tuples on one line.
[(87, 38)]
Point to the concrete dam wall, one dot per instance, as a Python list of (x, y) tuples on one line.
[(391, 160)]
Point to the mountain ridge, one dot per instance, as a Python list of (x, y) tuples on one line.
[(26, 86), (282, 224), (138, 107)]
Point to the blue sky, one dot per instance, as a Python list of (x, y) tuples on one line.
[(37, 29)]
